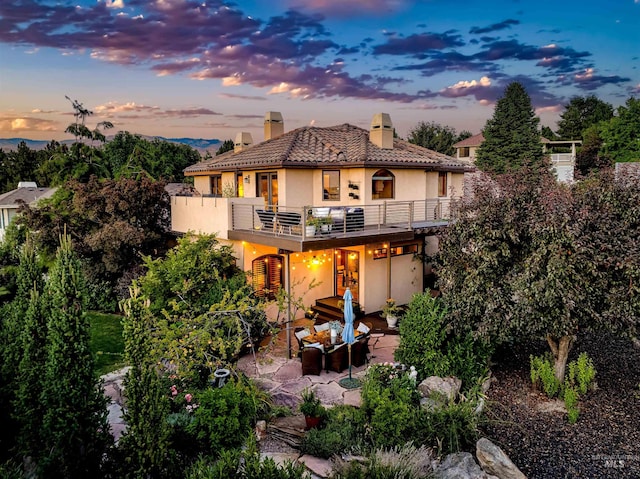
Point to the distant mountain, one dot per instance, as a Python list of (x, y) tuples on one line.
[(200, 144)]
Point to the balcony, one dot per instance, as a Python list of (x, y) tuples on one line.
[(335, 226), (247, 219)]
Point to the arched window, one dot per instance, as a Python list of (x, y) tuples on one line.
[(383, 185), (267, 275)]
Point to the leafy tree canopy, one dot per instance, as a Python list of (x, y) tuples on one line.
[(436, 137), (621, 134), (203, 307), (531, 258), (511, 136), (113, 223), (581, 113)]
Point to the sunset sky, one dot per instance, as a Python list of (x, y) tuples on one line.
[(210, 69)]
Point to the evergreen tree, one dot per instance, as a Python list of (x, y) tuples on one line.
[(16, 315), (27, 408), (511, 136), (227, 145), (145, 444), (581, 113), (75, 432)]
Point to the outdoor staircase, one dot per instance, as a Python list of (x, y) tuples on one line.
[(327, 309)]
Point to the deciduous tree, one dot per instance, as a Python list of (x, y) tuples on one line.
[(511, 136), (434, 136), (621, 134), (531, 258)]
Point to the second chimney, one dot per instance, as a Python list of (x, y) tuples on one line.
[(273, 125), (381, 132), (243, 141)]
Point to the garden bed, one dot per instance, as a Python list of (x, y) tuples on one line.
[(538, 438)]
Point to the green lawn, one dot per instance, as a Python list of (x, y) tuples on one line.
[(106, 341)]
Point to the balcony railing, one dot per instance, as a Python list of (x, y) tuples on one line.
[(340, 221)]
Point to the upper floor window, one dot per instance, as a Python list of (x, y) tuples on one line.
[(463, 152), (383, 186), (331, 185), (266, 275), (442, 183), (216, 185)]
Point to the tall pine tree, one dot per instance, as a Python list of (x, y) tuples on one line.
[(511, 136), (145, 444), (75, 432), (16, 315)]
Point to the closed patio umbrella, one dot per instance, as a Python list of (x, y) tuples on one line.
[(348, 336)]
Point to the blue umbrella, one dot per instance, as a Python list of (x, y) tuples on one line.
[(348, 334)]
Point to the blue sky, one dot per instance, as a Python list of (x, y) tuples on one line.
[(210, 69)]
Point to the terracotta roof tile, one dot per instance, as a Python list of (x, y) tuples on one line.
[(342, 145), (475, 140)]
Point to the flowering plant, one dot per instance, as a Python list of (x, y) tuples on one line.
[(390, 308), (336, 325)]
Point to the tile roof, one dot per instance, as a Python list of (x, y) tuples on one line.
[(28, 195), (344, 146), (475, 140)]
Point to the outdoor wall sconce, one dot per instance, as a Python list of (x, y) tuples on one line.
[(354, 196), (247, 179), (353, 186)]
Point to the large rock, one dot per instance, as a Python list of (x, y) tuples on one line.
[(435, 387), (494, 461), (459, 466)]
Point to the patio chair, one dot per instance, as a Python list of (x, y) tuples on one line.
[(359, 351), (364, 328), (287, 219), (337, 360), (301, 332), (267, 218), (321, 327), (311, 360)]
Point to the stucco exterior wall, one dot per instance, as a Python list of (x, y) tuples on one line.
[(205, 214)]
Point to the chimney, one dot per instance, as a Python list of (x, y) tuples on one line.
[(243, 141), (273, 125), (381, 132)]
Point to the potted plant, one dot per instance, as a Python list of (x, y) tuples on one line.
[(325, 224), (336, 328), (390, 311), (312, 224), (312, 409)]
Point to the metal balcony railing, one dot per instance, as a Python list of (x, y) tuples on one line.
[(340, 221)]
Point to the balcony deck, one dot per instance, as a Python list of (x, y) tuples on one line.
[(284, 228)]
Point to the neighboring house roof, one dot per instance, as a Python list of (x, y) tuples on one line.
[(476, 140), (344, 146), (182, 189), (29, 195)]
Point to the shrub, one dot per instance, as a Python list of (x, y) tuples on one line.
[(579, 378), (311, 405), (223, 417), (389, 404), (543, 374), (451, 428), (571, 403), (406, 462), (236, 464), (343, 432), (426, 344)]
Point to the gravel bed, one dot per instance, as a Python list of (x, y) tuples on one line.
[(604, 443)]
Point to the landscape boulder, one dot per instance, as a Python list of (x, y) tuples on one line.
[(435, 387), (460, 465), (494, 461)]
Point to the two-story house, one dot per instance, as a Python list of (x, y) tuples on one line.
[(346, 206)]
